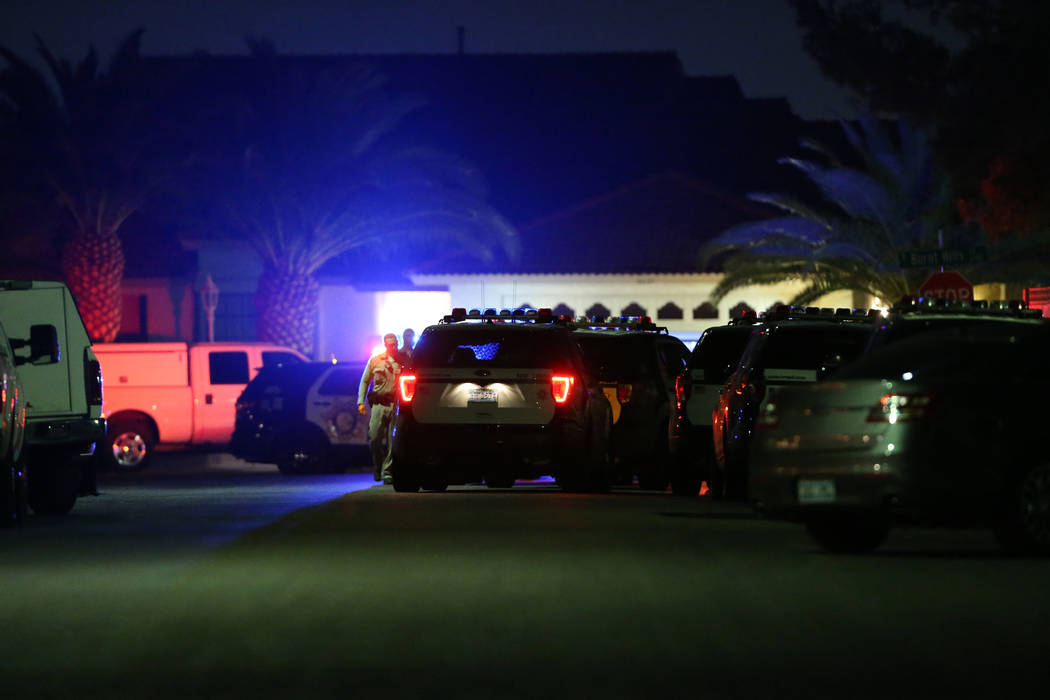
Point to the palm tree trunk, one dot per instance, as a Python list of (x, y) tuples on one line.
[(286, 306), (93, 266)]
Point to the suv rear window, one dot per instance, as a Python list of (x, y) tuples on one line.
[(978, 352), (808, 347), (901, 328), (718, 352), (611, 357), (492, 347)]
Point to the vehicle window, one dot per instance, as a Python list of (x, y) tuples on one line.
[(811, 348), (948, 354), (228, 367), (275, 357), (277, 378), (718, 353), (673, 356), (610, 358), (891, 332), (488, 347), (341, 382)]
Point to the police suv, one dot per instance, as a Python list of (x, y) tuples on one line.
[(499, 396), (636, 363)]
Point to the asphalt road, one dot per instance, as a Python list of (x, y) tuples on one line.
[(224, 579)]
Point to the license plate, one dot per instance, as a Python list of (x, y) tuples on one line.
[(482, 396), (816, 491)]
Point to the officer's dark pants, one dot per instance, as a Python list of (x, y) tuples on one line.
[(380, 423)]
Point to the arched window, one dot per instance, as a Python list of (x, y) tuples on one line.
[(597, 310), (564, 309), (633, 309), (738, 310), (670, 310), (706, 310)]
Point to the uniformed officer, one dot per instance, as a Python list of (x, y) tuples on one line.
[(381, 372), (408, 338)]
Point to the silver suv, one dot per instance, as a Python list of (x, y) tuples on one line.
[(941, 422)]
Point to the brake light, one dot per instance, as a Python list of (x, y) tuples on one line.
[(93, 381), (682, 388), (407, 382), (897, 408), (623, 392), (560, 386)]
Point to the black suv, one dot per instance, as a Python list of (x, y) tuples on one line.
[(636, 364), (497, 397), (790, 346), (302, 417), (714, 358)]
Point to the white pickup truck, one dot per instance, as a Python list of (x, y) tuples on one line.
[(175, 395)]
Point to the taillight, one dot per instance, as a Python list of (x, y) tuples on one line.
[(683, 386), (560, 386), (897, 408), (93, 382), (407, 382), (623, 392)]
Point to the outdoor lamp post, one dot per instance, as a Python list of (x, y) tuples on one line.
[(210, 300)]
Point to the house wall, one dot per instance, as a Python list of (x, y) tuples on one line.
[(352, 323), (615, 292), (148, 307)]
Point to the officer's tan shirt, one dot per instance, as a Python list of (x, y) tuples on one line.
[(381, 371)]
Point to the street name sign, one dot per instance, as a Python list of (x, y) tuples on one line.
[(943, 257)]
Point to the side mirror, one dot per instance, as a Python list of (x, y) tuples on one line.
[(43, 345)]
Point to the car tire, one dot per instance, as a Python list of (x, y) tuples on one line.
[(716, 483), (129, 445), (1024, 526), (657, 474), (303, 450), (405, 479), (687, 478), (849, 533), (434, 482)]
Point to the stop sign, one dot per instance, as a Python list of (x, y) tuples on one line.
[(947, 285)]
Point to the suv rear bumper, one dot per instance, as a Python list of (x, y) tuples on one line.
[(424, 444)]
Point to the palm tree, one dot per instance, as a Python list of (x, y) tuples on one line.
[(82, 137), (894, 202), (316, 180)]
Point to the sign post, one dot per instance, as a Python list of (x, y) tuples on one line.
[(947, 285)]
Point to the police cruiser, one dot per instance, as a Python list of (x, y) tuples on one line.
[(498, 396)]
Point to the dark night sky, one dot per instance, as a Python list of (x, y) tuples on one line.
[(756, 40)]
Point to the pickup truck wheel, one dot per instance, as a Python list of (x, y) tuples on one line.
[(130, 445)]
